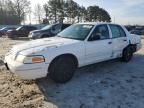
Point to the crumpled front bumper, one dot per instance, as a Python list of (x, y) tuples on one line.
[(26, 71)]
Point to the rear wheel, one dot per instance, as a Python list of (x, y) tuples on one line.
[(127, 54), (62, 69)]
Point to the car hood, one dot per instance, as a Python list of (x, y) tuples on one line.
[(11, 30), (38, 31), (35, 46)]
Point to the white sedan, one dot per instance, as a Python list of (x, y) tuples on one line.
[(78, 45)]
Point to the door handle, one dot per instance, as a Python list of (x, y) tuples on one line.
[(109, 42)]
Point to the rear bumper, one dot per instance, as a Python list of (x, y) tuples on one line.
[(27, 71)]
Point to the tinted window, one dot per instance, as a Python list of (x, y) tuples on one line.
[(56, 28), (31, 28), (122, 32), (117, 31), (24, 28), (64, 26), (102, 31)]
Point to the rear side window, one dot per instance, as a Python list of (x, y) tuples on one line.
[(31, 28), (117, 31)]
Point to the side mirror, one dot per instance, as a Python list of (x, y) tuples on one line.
[(95, 37)]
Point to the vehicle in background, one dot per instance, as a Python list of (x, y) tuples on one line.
[(129, 28), (5, 29), (79, 45), (48, 31), (138, 31), (22, 31)]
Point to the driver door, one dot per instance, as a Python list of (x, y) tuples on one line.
[(99, 45)]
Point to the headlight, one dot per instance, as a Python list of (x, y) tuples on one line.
[(30, 59)]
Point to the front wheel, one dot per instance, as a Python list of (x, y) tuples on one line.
[(127, 54), (62, 69)]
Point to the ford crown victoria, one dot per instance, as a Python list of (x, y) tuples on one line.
[(78, 45)]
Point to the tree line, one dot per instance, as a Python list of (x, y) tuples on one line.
[(13, 11), (53, 11)]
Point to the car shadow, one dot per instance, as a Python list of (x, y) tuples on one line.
[(92, 85), (1, 62)]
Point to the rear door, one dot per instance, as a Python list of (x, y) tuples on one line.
[(119, 39), (28, 29), (21, 32), (100, 48)]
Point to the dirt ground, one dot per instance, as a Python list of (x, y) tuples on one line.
[(111, 84)]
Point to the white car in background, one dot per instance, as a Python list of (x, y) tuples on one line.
[(78, 45)]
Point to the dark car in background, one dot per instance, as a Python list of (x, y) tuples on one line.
[(138, 31), (22, 31), (5, 29), (48, 31), (129, 28)]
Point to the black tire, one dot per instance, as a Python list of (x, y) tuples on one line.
[(127, 54), (62, 69)]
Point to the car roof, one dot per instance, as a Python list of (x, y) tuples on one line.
[(96, 23)]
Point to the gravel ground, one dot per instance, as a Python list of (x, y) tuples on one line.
[(111, 84)]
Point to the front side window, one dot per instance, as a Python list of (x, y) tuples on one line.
[(56, 28), (77, 31), (101, 32), (117, 31)]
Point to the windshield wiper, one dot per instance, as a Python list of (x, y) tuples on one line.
[(74, 38), (69, 37)]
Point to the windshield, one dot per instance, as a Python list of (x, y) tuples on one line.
[(19, 28), (47, 27), (77, 31)]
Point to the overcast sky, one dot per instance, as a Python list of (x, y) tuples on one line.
[(121, 11)]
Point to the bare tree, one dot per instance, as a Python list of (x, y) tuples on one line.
[(29, 15), (7, 12), (47, 14), (21, 9), (38, 12)]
